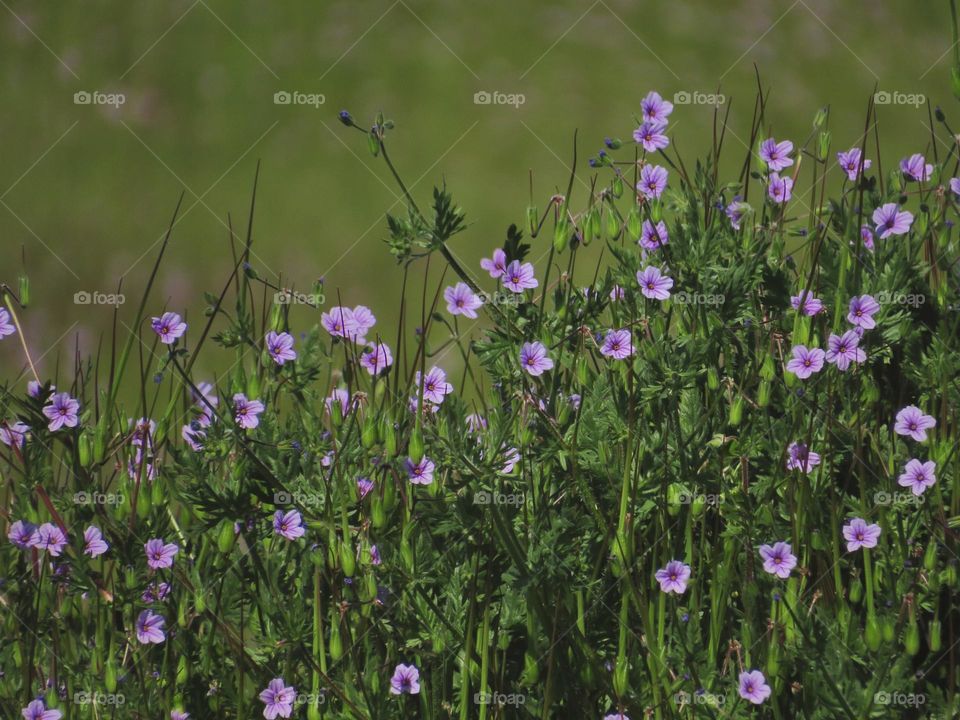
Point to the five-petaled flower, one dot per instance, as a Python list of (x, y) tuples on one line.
[(673, 577), (859, 534), (918, 476), (753, 687), (160, 554), (534, 359), (278, 699), (168, 327), (405, 680), (778, 559), (461, 300), (280, 347), (805, 361), (62, 411), (653, 284), (776, 154), (911, 422)]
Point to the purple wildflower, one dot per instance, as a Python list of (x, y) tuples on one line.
[(34, 388), (859, 534), (340, 397), (651, 136), (510, 459), (805, 362), (862, 310), (617, 294), (518, 278), (776, 154), (420, 473), (866, 234), (913, 423), (23, 534), (843, 350), (364, 486), (735, 212), (806, 303), (93, 543), (889, 221), (61, 411), (916, 168), (800, 457), (51, 538), (179, 715), (159, 555), (169, 327), (37, 710), (376, 359), (288, 524), (534, 359), (375, 558), (150, 627), (955, 186), (14, 435), (652, 237), (653, 181), (497, 265), (435, 385), (337, 320), (6, 327), (918, 476), (780, 189), (653, 284), (461, 300), (850, 162), (156, 592), (616, 716), (278, 699), (618, 344), (476, 423), (779, 559), (280, 347), (405, 680), (673, 577), (654, 108), (753, 687), (246, 412), (359, 322)]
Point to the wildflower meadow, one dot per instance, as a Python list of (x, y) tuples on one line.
[(683, 445)]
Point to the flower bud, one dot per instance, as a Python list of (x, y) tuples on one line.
[(713, 378), (415, 448), (872, 634), (533, 219), (621, 676), (736, 411), (612, 226), (561, 233)]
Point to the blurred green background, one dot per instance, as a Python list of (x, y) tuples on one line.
[(86, 190)]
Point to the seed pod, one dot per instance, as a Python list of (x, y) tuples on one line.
[(713, 378), (368, 435), (561, 232), (634, 224), (531, 670), (378, 513), (182, 614), (84, 449), (618, 185), (930, 556), (389, 494), (389, 438), (612, 226), (675, 497), (110, 674), (888, 629), (763, 393), (373, 144), (621, 676), (200, 601), (873, 634), (736, 411), (157, 494), (24, 283), (415, 448), (313, 711), (183, 671), (100, 441), (591, 225), (347, 558), (950, 574), (768, 370), (935, 635), (533, 219), (856, 591), (253, 386), (583, 372), (336, 644), (823, 146), (226, 537), (911, 639), (406, 553)]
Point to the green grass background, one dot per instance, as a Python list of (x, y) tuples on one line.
[(87, 191)]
